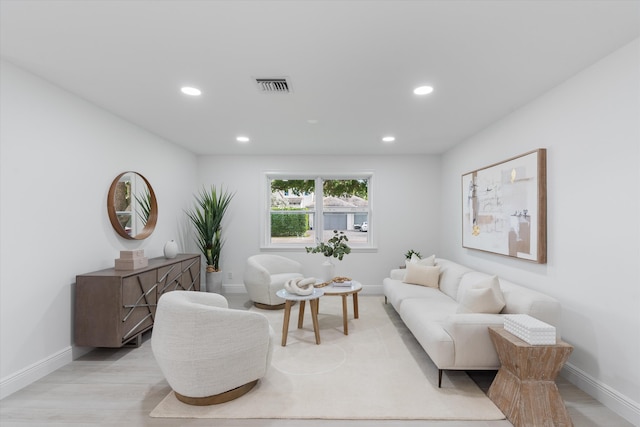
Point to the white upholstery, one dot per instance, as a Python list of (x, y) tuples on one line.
[(204, 348), (265, 274), (461, 340)]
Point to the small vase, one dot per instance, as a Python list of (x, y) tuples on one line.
[(170, 249), (328, 271)]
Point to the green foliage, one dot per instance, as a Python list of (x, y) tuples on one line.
[(297, 186), (206, 217), (335, 246), (411, 252), (144, 206), (345, 188), (293, 225), (331, 187)]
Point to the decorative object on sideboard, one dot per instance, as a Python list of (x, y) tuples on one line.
[(131, 260), (206, 217), (132, 206), (504, 207), (335, 247), (170, 249)]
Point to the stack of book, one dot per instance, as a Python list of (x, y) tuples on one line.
[(530, 329), (131, 260)]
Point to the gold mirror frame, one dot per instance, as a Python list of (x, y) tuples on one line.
[(150, 224)]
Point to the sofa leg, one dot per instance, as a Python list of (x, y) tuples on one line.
[(385, 299), (439, 378)]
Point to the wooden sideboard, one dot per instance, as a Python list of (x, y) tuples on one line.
[(114, 307)]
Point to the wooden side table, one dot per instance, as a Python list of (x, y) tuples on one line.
[(344, 292), (524, 388), (289, 299)]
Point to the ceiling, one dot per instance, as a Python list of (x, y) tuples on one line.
[(352, 65)]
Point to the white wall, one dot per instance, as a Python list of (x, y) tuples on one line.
[(590, 126), (404, 201), (58, 156)]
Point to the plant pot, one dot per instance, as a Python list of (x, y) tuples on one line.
[(214, 282), (328, 271)]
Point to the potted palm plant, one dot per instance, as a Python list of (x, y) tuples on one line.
[(206, 217)]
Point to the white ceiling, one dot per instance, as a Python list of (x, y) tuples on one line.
[(352, 65)]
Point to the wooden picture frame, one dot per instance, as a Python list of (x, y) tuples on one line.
[(504, 207)]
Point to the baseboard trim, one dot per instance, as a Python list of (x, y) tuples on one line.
[(618, 403), (238, 288), (34, 372), (233, 288)]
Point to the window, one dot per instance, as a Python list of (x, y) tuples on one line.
[(306, 209)]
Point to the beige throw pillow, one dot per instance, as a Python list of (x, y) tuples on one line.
[(483, 297), (422, 275)]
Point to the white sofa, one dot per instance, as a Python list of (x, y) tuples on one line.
[(460, 340)]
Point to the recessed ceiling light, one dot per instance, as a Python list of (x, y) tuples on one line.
[(192, 91), (312, 121), (389, 139), (423, 90), (242, 139)]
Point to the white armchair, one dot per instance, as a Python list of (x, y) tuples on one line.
[(209, 353), (265, 274)]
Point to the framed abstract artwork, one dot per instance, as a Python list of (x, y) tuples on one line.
[(504, 207)]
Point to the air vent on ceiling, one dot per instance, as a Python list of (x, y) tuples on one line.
[(277, 85)]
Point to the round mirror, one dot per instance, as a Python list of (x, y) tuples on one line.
[(132, 206)]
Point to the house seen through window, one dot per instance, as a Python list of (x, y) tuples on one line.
[(304, 211)]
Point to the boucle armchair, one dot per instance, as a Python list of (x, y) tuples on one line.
[(265, 274), (209, 353)]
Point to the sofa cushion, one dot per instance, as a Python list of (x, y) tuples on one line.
[(424, 319), (469, 280), (521, 300), (397, 291), (450, 276), (423, 275), (479, 300), (483, 297)]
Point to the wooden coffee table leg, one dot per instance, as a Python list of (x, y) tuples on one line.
[(314, 317), (345, 324), (355, 305), (285, 323), (301, 314)]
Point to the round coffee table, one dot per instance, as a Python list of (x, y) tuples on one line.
[(344, 292), (289, 299)]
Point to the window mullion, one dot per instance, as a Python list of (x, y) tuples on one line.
[(319, 194)]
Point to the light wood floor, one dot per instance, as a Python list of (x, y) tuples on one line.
[(119, 387)]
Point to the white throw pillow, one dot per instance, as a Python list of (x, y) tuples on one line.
[(422, 275), (483, 297), (429, 261)]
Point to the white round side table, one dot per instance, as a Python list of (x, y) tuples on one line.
[(302, 299)]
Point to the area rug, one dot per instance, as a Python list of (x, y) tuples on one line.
[(378, 371)]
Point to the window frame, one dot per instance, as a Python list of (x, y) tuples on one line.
[(318, 212)]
